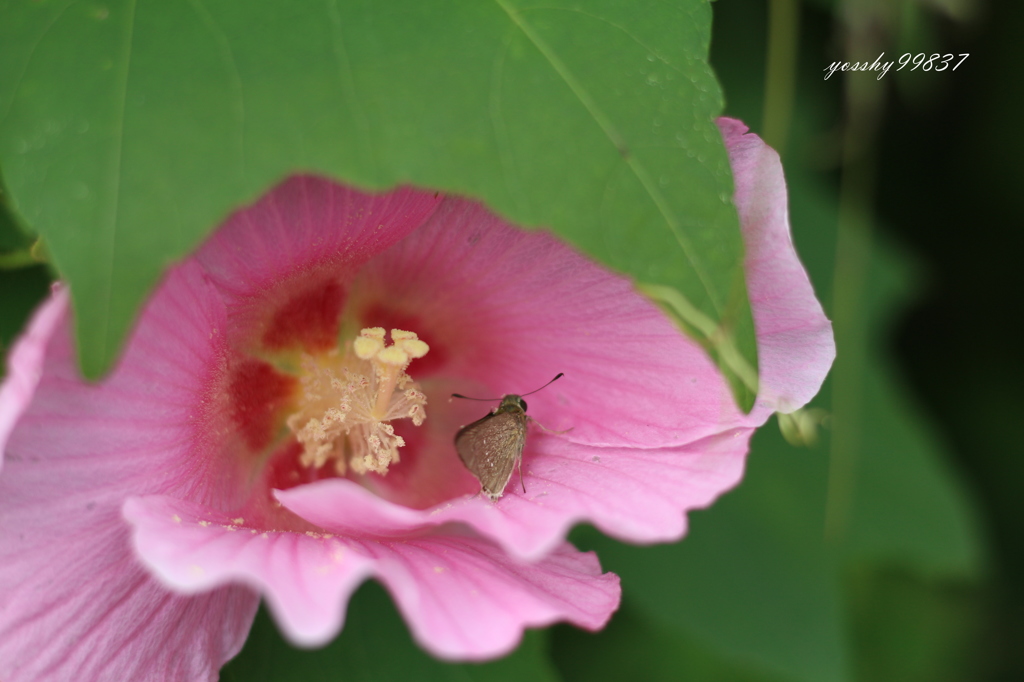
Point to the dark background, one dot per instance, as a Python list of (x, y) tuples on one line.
[(950, 189)]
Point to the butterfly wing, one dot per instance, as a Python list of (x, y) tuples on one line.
[(491, 447)]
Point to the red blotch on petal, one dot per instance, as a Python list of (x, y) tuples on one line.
[(259, 393), (309, 320), (285, 470), (428, 473)]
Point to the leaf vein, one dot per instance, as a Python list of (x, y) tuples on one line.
[(618, 141), (228, 54), (106, 275), (348, 85)]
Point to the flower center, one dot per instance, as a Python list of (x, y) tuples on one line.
[(350, 397)]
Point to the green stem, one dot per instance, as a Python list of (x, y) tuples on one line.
[(853, 258), (780, 71), (864, 100), (17, 259)]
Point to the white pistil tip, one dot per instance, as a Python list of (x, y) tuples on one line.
[(367, 347), (409, 343), (413, 347), (393, 355)]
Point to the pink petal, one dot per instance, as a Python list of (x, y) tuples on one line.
[(306, 223), (509, 309), (74, 601), (654, 432), (25, 364), (463, 597), (78, 606), (307, 579), (638, 495), (637, 395), (794, 338)]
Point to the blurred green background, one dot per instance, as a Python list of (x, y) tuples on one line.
[(903, 195), (889, 546), (905, 200)]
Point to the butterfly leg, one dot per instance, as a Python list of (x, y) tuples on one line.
[(546, 429)]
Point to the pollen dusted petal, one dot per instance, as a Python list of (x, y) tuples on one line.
[(475, 607), (306, 578)]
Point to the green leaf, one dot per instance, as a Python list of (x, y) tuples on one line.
[(902, 504), (633, 647), (907, 505), (375, 646), (14, 243), (753, 579), (23, 289), (129, 129), (909, 629)]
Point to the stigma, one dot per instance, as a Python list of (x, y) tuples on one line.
[(349, 398)]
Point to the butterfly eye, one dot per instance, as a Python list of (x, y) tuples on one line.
[(522, 403)]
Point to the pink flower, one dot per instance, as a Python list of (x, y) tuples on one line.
[(262, 436)]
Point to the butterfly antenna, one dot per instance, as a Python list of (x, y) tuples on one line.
[(466, 397), (557, 377)]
